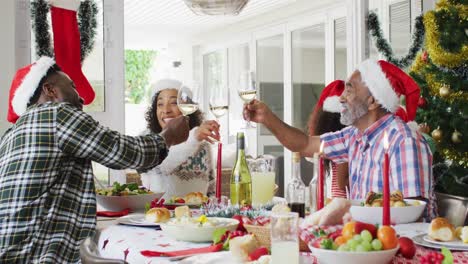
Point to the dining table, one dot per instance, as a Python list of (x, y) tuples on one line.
[(118, 241)]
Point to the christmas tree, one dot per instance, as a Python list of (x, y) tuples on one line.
[(441, 71)]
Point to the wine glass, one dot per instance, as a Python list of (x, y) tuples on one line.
[(188, 98), (247, 89), (219, 102)]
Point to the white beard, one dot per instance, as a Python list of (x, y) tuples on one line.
[(349, 116)]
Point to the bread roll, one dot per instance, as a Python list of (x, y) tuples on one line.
[(464, 234), (242, 246), (182, 211), (157, 215), (441, 229), (195, 198)]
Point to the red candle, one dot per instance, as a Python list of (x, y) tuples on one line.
[(386, 184), (218, 172), (320, 181)]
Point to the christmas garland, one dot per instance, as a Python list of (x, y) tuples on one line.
[(439, 55), (87, 24), (384, 47)]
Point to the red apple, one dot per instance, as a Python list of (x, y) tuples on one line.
[(407, 248), (360, 226)]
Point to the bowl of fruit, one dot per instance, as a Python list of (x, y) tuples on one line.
[(122, 196), (402, 210), (356, 242)]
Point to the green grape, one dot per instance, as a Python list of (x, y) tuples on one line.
[(367, 245), (343, 248), (360, 248), (334, 246), (358, 238), (366, 236), (352, 244), (376, 244)]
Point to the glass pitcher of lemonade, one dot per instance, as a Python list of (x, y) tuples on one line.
[(262, 171)]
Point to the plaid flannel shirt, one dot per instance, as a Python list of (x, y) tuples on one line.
[(409, 154), (47, 195)]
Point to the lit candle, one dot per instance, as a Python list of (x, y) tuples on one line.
[(218, 172), (386, 184), (320, 181)]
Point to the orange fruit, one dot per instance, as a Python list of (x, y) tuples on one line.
[(340, 241), (348, 230), (388, 237)]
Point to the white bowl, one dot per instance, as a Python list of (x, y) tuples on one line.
[(136, 203), (398, 215), (326, 256), (195, 233)]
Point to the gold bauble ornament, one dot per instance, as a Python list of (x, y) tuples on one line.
[(437, 134), (456, 137), (444, 91)]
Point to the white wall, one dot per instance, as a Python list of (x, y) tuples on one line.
[(8, 61)]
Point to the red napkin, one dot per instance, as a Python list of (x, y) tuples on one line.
[(208, 249), (113, 214)]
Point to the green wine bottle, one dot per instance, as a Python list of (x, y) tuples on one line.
[(241, 182)]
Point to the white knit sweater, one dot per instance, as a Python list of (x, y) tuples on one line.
[(187, 168)]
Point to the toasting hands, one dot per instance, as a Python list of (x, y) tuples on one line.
[(209, 131), (257, 112), (176, 131)]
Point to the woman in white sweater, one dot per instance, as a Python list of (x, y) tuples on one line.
[(188, 166)]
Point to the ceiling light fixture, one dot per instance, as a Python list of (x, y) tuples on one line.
[(216, 7)]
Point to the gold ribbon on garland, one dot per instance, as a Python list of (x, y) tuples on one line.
[(459, 157), (439, 55)]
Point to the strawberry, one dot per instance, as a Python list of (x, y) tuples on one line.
[(179, 200), (240, 226), (360, 226), (256, 254), (335, 234)]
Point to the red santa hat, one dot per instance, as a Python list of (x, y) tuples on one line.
[(24, 86), (164, 84), (329, 101), (387, 83)]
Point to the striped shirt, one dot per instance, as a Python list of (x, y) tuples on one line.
[(409, 155), (335, 190), (47, 196)]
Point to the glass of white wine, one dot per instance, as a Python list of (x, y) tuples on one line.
[(247, 89), (219, 102), (188, 98)]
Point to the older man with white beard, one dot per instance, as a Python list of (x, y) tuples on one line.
[(371, 108)]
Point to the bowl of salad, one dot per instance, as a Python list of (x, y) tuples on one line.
[(121, 196)]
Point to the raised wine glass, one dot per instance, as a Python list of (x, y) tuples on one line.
[(247, 89), (188, 98)]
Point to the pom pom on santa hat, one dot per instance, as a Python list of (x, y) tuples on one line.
[(329, 101), (387, 82), (24, 85)]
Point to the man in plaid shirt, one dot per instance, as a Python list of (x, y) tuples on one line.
[(370, 106), (47, 194)]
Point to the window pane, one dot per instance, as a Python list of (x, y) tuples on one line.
[(340, 49), (93, 66), (373, 53), (212, 68), (400, 27), (308, 71), (238, 58), (270, 75)]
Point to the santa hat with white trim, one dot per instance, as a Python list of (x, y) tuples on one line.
[(24, 86), (164, 84), (329, 101), (386, 83)]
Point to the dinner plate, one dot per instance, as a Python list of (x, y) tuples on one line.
[(136, 220), (455, 243), (419, 240)]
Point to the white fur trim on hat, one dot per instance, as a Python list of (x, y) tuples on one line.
[(28, 86), (332, 104), (72, 5), (378, 84), (164, 84)]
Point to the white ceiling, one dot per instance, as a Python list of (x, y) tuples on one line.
[(174, 15)]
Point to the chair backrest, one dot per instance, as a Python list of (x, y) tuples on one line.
[(89, 253)]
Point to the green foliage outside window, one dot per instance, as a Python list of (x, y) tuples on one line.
[(137, 74)]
